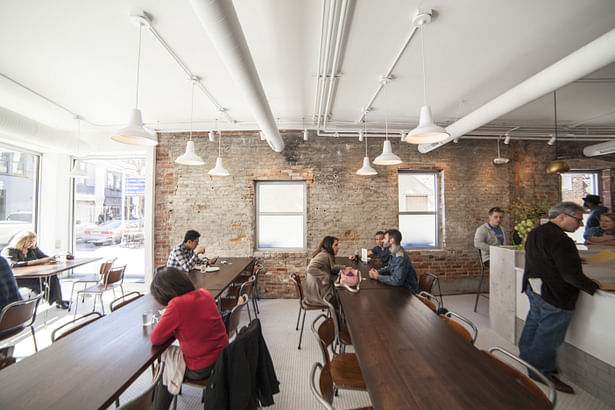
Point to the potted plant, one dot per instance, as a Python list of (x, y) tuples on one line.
[(526, 217)]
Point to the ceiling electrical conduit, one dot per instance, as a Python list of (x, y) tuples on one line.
[(322, 76), (320, 59), (220, 21), (581, 62)]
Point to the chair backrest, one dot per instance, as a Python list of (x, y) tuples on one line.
[(325, 335), (453, 320), (106, 266), (257, 268), (521, 378), (234, 316), (158, 268), (297, 281), (429, 300), (74, 325), (144, 400), (426, 281), (124, 300), (333, 313), (19, 313), (325, 381), (115, 275), (248, 286)]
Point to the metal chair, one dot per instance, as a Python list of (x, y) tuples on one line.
[(521, 378), (144, 400), (18, 315), (480, 282), (233, 318), (325, 382), (114, 278), (429, 300), (453, 320), (344, 367), (427, 281), (246, 288), (256, 271), (124, 300), (92, 278), (342, 335), (74, 325), (303, 305)]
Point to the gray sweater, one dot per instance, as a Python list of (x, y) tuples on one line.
[(485, 237)]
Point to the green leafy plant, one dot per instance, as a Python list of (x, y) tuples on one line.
[(525, 216)]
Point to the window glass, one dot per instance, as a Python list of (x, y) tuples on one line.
[(574, 187), (280, 215), (419, 213)]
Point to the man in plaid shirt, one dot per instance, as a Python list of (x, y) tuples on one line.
[(8, 286), (185, 255)]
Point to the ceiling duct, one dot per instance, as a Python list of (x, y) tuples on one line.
[(220, 21), (599, 149), (33, 133), (578, 64)]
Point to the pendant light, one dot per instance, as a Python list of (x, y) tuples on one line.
[(499, 160), (190, 157), (219, 170), (77, 172), (558, 166), (427, 130), (134, 133), (366, 169), (387, 157)]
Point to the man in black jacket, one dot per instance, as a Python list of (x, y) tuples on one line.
[(550, 255)]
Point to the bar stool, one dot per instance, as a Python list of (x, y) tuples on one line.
[(482, 275)]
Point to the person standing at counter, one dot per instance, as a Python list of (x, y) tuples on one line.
[(490, 234), (185, 256), (605, 233), (400, 271), (320, 270), (22, 251), (382, 251), (550, 255), (592, 202)]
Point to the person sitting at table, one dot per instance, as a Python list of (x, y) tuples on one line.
[(22, 251), (382, 251), (185, 256), (322, 267), (592, 202), (9, 292), (603, 234), (400, 271), (192, 317), (490, 234)]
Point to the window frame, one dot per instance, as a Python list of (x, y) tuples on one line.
[(438, 205), (258, 213)]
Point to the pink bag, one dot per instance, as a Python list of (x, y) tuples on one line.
[(349, 278)]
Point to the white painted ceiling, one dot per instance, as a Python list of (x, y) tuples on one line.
[(81, 54)]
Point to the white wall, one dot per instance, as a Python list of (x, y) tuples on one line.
[(54, 203)]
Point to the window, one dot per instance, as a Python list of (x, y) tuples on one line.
[(419, 208), (575, 186), (280, 215)]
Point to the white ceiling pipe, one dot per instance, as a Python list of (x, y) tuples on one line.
[(580, 63), (221, 23), (331, 22)]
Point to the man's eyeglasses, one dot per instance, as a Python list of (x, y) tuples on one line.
[(579, 220)]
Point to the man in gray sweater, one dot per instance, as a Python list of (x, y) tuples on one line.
[(490, 234)]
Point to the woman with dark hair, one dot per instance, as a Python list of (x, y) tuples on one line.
[(192, 317), (319, 281)]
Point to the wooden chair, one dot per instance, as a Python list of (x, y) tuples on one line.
[(93, 277), (429, 300), (246, 288), (455, 321), (325, 382), (114, 278), (521, 378), (233, 319), (74, 325), (18, 315), (426, 283), (342, 335), (480, 282), (144, 400), (256, 271), (344, 367), (303, 305), (124, 300)]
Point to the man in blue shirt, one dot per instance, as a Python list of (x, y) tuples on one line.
[(8, 286), (380, 249), (400, 271)]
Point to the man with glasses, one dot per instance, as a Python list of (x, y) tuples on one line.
[(185, 256), (552, 257)]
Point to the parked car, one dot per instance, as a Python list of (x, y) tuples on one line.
[(80, 228), (108, 232), (15, 222)]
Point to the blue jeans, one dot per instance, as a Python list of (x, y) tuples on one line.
[(544, 330)]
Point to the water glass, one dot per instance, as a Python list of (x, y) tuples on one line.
[(148, 318)]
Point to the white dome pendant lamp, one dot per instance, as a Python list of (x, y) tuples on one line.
[(387, 157), (77, 172), (219, 170), (366, 169), (134, 133), (427, 131), (190, 157)]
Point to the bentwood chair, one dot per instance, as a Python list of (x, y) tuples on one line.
[(429, 300), (342, 335), (114, 278), (344, 367), (124, 300), (325, 382), (246, 288), (480, 282), (233, 318), (521, 378), (256, 271), (427, 281), (93, 277), (303, 305), (74, 325), (18, 315), (144, 400), (461, 324)]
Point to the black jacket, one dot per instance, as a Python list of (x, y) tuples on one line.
[(243, 375), (553, 257), (17, 258)]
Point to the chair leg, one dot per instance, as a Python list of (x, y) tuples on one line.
[(102, 305), (175, 402), (480, 284), (34, 338), (249, 315), (302, 325), (298, 317), (76, 306), (255, 306), (117, 402)]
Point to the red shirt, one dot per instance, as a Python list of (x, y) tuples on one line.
[(194, 319)]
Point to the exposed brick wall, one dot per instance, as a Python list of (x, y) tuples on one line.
[(339, 202)]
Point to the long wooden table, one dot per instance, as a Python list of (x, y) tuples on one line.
[(410, 359), (90, 368), (49, 269)]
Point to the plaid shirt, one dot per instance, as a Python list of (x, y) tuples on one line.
[(184, 259), (8, 286)]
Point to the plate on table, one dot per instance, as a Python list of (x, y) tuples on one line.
[(212, 269)]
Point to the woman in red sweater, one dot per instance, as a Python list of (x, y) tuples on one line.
[(192, 317)]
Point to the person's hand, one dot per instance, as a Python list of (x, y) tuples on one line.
[(199, 250), (351, 258), (373, 273), (369, 252), (212, 261)]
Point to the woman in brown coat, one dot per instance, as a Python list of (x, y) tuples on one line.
[(319, 271)]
